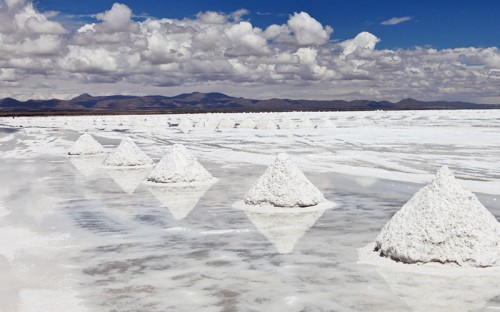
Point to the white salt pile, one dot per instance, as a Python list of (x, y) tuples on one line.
[(306, 124), (288, 124), (326, 123), (284, 185), (128, 154), (247, 123), (226, 123), (185, 124), (202, 123), (442, 223), (86, 145), (266, 124), (179, 166)]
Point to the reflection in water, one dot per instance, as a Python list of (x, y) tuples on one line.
[(179, 200), (128, 179), (284, 229), (87, 166), (432, 292)]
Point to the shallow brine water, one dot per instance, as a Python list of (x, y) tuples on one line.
[(79, 237)]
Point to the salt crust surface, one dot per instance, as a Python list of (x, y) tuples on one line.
[(179, 166), (86, 145), (444, 223), (128, 154), (284, 185)]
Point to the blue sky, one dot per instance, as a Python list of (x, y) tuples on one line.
[(440, 24), (377, 50)]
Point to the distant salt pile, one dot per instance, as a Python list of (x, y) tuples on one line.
[(128, 154), (247, 123), (306, 124), (185, 124), (202, 123), (226, 123), (288, 124), (284, 185), (443, 223), (179, 166), (266, 124), (326, 123), (86, 145)]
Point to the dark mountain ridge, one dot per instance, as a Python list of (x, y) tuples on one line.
[(197, 102)]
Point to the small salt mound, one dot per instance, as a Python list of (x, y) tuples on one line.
[(202, 123), (248, 123), (226, 123), (284, 185), (266, 124), (179, 166), (185, 124), (326, 123), (306, 124), (86, 145), (128, 154), (288, 124), (443, 223)]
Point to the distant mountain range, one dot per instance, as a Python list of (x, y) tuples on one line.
[(209, 102)]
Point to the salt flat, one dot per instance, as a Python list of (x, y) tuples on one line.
[(86, 238)]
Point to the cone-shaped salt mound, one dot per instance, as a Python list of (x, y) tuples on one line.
[(128, 154), (444, 223), (86, 145), (226, 123), (266, 124), (248, 123), (306, 124), (288, 124), (185, 124), (179, 166), (326, 123), (284, 185)]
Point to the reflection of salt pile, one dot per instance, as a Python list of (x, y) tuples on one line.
[(86, 145), (444, 223), (179, 166), (434, 292), (226, 123), (248, 123), (284, 229), (128, 179), (180, 201), (128, 154), (284, 185), (87, 166)]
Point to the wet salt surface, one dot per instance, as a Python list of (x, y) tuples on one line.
[(97, 242)]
